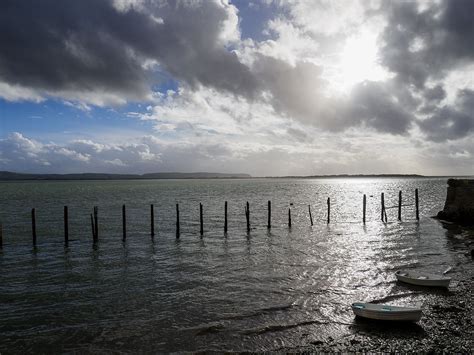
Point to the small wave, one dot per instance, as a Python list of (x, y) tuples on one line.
[(277, 308), (279, 328), (260, 312), (394, 297), (212, 329)]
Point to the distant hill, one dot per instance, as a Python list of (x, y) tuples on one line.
[(9, 176)]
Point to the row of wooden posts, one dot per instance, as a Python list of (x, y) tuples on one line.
[(95, 218)]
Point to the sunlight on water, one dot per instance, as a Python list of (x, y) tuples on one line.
[(262, 291)]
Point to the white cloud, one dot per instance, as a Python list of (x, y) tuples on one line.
[(258, 153), (11, 92)]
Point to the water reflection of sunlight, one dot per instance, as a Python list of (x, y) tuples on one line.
[(359, 264)]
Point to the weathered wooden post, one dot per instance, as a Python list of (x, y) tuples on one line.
[(289, 217), (152, 221), (94, 239), (247, 215), (33, 225), (329, 209), (225, 217), (364, 207), (177, 221), (417, 205), (66, 226), (399, 205), (310, 216), (124, 223), (201, 219), (382, 207), (96, 222), (269, 219), (1, 236)]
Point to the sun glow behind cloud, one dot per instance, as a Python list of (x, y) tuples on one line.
[(357, 62)]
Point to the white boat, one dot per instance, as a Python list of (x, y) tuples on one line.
[(386, 312), (422, 279)]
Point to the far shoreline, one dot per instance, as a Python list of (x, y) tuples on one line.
[(13, 176)]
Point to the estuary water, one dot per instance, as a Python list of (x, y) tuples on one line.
[(268, 289)]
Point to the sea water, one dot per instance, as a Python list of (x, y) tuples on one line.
[(266, 289)]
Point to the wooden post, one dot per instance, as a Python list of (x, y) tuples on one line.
[(201, 220), (329, 209), (96, 222), (93, 229), (33, 225), (289, 217), (247, 216), (177, 221), (152, 221), (269, 219), (310, 216), (382, 205), (124, 223), (364, 207), (66, 226), (399, 205), (1, 236), (225, 217), (417, 205)]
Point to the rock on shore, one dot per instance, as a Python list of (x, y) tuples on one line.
[(459, 205)]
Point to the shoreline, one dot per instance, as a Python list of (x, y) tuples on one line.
[(446, 324)]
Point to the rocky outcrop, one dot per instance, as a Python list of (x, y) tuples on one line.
[(459, 205)]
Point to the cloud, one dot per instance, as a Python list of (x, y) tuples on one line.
[(356, 152), (239, 104), (451, 121), (435, 94), (20, 153), (105, 52), (16, 93), (422, 44), (378, 107)]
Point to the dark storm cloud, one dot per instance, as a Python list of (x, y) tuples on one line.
[(427, 44), (71, 45), (452, 122), (376, 106), (296, 89), (434, 94)]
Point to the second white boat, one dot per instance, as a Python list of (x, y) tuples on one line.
[(386, 312), (422, 279)]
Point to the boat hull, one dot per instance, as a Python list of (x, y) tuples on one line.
[(420, 279), (386, 312)]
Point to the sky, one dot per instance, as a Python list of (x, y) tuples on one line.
[(264, 87)]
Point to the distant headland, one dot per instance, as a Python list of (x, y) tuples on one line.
[(11, 176)]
